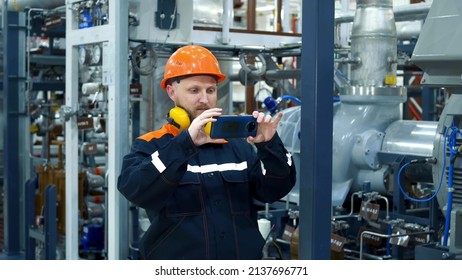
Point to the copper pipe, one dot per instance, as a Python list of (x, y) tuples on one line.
[(251, 24), (251, 14), (279, 17)]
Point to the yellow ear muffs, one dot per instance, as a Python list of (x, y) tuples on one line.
[(208, 128), (179, 118)]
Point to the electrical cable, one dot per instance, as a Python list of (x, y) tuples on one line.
[(143, 50), (278, 248), (173, 16)]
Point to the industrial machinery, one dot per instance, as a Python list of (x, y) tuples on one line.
[(396, 182), (48, 115)]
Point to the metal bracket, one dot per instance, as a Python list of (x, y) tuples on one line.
[(166, 15)]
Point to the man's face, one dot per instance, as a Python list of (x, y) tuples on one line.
[(195, 94)]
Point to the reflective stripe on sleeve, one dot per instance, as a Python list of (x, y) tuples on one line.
[(289, 159), (157, 162)]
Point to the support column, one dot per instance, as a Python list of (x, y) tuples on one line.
[(316, 130)]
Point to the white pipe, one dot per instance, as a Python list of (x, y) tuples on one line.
[(345, 28), (228, 14), (286, 20), (275, 15), (402, 13)]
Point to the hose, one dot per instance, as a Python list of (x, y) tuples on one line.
[(414, 162), (453, 153), (291, 98), (272, 105), (140, 52)]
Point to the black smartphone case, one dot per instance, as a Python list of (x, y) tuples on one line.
[(231, 126)]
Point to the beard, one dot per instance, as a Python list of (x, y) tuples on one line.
[(194, 111)]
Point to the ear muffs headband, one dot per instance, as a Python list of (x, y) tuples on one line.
[(179, 118)]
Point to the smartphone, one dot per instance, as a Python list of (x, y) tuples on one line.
[(232, 126)]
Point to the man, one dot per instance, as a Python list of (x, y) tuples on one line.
[(197, 191)]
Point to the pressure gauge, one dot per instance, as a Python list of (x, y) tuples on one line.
[(96, 54), (84, 56)]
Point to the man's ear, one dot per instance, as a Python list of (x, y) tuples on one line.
[(171, 92)]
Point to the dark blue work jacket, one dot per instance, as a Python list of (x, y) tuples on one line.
[(200, 199)]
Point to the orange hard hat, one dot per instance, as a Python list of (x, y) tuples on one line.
[(192, 60)]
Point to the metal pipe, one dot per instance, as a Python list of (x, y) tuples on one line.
[(278, 17), (343, 29), (251, 15), (410, 138), (28, 50), (387, 217), (227, 21), (373, 43), (351, 207), (282, 241), (418, 210), (409, 12), (270, 74), (370, 256), (385, 236), (401, 13), (286, 20)]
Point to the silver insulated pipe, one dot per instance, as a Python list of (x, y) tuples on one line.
[(373, 44)]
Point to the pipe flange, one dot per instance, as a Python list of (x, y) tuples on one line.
[(250, 68), (245, 78)]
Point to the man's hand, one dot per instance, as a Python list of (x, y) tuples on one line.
[(266, 127), (196, 129)]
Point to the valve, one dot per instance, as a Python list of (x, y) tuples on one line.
[(66, 113)]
